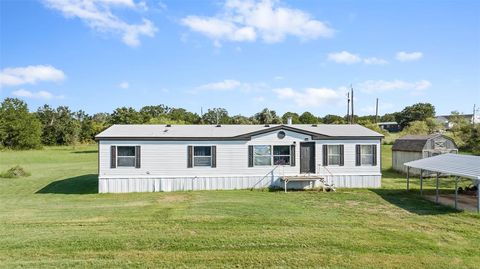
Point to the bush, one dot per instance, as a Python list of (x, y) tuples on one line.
[(15, 172)]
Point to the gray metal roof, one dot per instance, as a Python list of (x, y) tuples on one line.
[(454, 164), (414, 143), (231, 131)]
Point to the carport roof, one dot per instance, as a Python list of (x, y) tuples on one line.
[(454, 164)]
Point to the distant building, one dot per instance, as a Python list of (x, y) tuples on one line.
[(390, 126), (448, 124), (415, 147)]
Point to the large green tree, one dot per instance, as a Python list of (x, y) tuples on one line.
[(126, 115), (416, 112), (216, 116), (267, 116), (308, 118), (19, 129), (293, 115)]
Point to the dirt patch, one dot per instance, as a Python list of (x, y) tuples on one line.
[(465, 202)]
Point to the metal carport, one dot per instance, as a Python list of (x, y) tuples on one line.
[(465, 166)]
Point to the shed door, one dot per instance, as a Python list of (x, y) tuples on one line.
[(307, 157)]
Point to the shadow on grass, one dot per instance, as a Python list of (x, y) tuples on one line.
[(413, 202), (85, 151), (84, 184)]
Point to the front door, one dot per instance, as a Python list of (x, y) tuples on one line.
[(307, 157)]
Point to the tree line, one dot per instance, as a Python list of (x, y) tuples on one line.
[(22, 129)]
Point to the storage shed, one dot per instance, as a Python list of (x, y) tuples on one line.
[(415, 147)]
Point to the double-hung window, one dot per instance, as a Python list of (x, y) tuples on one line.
[(126, 156), (263, 155), (366, 154), (281, 155), (334, 153), (202, 156)]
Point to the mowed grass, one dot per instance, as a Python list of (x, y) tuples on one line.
[(55, 218)]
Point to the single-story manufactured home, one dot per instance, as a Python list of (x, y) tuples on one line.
[(151, 158)]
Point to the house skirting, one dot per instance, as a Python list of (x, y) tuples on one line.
[(112, 184)]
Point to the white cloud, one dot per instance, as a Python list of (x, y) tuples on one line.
[(98, 15), (373, 86), (36, 95), (14, 76), (124, 85), (227, 84), (310, 96), (344, 57), (374, 61), (245, 21), (403, 56)]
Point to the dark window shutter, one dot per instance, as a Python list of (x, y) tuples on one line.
[(214, 156), (325, 155), (342, 155), (358, 159), (189, 157), (137, 156), (250, 156), (113, 156), (292, 155), (374, 151)]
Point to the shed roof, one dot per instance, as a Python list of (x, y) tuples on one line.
[(454, 164), (414, 143), (239, 132)]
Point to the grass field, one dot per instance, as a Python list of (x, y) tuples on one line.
[(55, 218)]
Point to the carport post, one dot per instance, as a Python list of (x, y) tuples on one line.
[(436, 197), (421, 182), (478, 196), (408, 178), (456, 192)]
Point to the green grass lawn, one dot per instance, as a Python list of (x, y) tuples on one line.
[(55, 218)]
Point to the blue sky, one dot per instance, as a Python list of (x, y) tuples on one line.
[(243, 56)]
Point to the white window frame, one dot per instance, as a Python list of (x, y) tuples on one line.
[(134, 156), (339, 155), (366, 154), (194, 157), (272, 155)]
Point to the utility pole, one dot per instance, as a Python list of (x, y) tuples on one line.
[(376, 112), (353, 113), (348, 107), (474, 113)]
